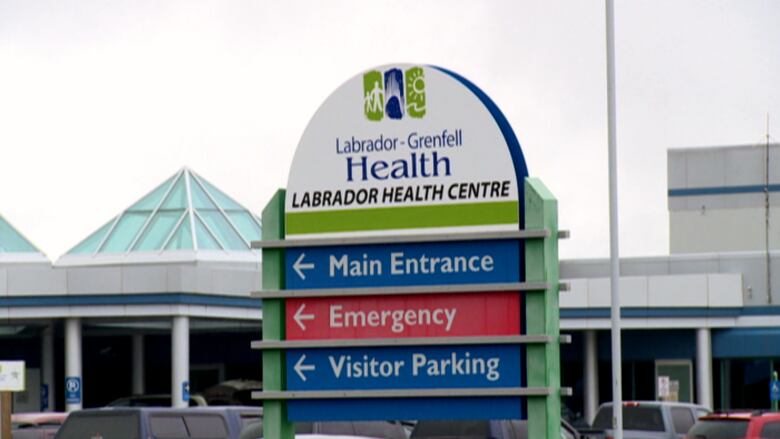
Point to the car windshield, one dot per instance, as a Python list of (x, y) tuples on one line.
[(113, 426), (643, 418), (464, 429), (719, 429)]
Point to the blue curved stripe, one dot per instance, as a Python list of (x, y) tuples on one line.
[(518, 159), (723, 190), (521, 172)]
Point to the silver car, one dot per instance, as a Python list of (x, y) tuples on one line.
[(648, 420)]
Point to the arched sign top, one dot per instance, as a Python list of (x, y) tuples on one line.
[(405, 149)]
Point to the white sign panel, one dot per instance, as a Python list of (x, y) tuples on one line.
[(663, 387), (407, 149), (11, 376)]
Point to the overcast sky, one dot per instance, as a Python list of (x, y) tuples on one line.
[(100, 101)]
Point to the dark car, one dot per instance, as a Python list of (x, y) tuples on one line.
[(369, 429), (233, 392), (158, 423), (161, 400), (504, 429)]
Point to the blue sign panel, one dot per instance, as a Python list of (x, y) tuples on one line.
[(185, 391), (44, 397), (73, 390), (774, 390), (421, 367), (404, 408), (438, 263)]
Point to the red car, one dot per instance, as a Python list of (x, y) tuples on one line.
[(737, 425), (36, 425)]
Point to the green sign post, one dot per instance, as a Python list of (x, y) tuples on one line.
[(410, 269)]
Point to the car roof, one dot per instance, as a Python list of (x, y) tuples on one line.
[(39, 418), (741, 415), (189, 410), (656, 404), (328, 436)]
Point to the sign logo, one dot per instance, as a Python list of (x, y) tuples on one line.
[(395, 167), (73, 390), (394, 93)]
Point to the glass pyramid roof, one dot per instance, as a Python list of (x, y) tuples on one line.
[(11, 241), (185, 212)]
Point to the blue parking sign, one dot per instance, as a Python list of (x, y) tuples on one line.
[(73, 390), (774, 390)]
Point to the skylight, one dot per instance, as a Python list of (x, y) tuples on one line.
[(185, 212)]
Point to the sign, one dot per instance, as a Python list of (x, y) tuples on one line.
[(774, 390), (419, 151), (442, 263), (12, 376), (663, 387), (421, 367), (73, 390), (421, 315), (44, 397), (405, 149), (185, 391)]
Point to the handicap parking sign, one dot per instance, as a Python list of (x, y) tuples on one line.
[(73, 390), (774, 390)]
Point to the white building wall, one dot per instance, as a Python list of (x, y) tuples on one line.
[(717, 201), (722, 230)]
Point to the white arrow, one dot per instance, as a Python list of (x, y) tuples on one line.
[(299, 266), (300, 367), (299, 317)]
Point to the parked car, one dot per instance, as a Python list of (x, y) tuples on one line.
[(575, 419), (369, 429), (233, 392), (504, 429), (158, 422), (328, 436), (161, 400), (737, 425), (648, 420), (36, 425)]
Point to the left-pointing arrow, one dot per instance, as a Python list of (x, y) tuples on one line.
[(299, 317), (300, 367), (299, 266)]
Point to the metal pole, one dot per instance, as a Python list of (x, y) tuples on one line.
[(617, 395)]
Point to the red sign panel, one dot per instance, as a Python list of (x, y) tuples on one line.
[(421, 315)]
